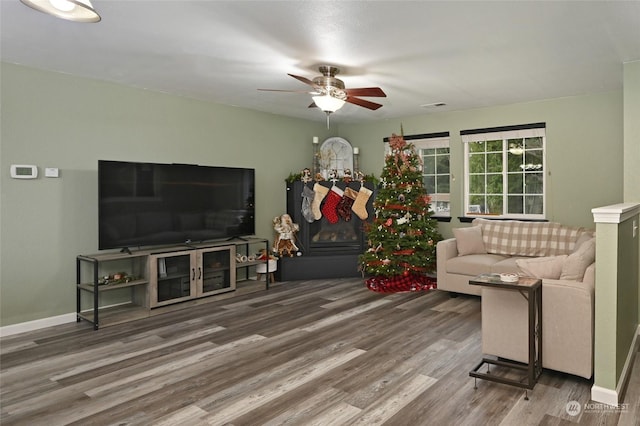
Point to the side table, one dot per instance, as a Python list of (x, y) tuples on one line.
[(531, 290)]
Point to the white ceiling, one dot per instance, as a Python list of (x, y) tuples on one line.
[(465, 54)]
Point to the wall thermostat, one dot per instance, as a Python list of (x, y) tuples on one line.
[(24, 171)]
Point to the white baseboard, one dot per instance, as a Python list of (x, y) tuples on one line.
[(23, 327), (604, 395), (610, 396)]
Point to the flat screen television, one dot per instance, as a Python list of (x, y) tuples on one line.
[(145, 204)]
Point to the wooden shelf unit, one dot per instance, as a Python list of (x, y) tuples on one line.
[(207, 270)]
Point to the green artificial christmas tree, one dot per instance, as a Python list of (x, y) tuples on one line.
[(402, 237)]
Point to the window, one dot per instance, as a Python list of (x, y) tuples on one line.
[(433, 148), (504, 171)]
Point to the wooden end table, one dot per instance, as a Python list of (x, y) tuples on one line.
[(531, 290)]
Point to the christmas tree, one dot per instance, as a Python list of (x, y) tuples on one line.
[(402, 237)]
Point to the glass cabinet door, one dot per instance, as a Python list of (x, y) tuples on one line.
[(216, 273), (175, 277)]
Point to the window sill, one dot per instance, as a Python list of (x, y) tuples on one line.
[(469, 219), (442, 218)]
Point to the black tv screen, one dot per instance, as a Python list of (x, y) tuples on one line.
[(143, 204)]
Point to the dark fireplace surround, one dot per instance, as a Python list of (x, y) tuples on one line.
[(328, 250)]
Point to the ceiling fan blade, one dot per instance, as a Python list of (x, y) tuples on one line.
[(366, 91), (363, 103), (305, 80), (288, 91)]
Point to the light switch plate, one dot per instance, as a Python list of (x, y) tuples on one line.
[(51, 172)]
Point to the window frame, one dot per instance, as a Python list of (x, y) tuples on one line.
[(505, 135), (432, 141)]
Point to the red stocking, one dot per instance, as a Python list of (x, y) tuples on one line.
[(330, 206), (344, 208)]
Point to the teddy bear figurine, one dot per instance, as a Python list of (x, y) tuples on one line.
[(306, 175)]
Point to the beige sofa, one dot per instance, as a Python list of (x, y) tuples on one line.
[(563, 257)]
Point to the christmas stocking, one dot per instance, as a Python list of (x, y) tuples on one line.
[(307, 198), (360, 204), (319, 193), (330, 207), (344, 207)]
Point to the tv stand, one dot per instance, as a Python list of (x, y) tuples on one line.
[(125, 250), (237, 237), (155, 280)]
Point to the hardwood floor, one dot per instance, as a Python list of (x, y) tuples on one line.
[(326, 352)]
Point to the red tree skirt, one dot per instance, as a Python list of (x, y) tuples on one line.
[(400, 283)]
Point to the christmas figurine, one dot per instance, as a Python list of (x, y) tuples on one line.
[(347, 177), (286, 230), (306, 175)]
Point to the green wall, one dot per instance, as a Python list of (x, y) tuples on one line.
[(632, 137), (627, 303), (632, 131), (606, 296), (616, 297), (55, 120), (584, 149)]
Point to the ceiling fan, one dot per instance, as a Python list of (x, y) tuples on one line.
[(329, 93)]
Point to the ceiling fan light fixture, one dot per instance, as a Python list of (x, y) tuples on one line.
[(328, 103), (71, 10)]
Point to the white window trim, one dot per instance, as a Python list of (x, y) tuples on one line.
[(504, 136), (431, 143)]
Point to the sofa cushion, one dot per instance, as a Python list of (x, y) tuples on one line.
[(469, 240), (506, 266), (473, 264), (549, 267), (583, 238), (577, 262)]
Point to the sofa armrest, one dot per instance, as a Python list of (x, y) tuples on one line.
[(589, 279), (445, 250), (568, 325)]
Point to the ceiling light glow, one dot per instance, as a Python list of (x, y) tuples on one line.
[(63, 5), (71, 10)]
